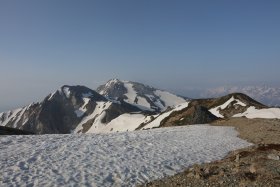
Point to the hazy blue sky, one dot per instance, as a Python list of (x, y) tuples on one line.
[(168, 44)]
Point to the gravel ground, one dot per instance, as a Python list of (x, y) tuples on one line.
[(258, 165)]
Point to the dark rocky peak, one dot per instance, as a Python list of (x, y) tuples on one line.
[(114, 89), (82, 92), (75, 93), (193, 114)]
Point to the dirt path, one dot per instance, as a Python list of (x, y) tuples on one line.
[(258, 165)]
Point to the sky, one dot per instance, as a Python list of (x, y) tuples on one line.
[(174, 45)]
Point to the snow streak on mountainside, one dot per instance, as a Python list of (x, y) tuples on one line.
[(116, 159), (133, 121), (232, 100), (267, 95), (159, 118), (140, 95)]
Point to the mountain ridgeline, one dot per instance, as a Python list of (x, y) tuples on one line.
[(126, 106), (267, 95)]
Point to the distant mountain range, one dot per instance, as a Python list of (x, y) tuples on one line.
[(265, 94), (126, 106)]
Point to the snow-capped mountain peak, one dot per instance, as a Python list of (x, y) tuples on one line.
[(64, 110), (140, 95)]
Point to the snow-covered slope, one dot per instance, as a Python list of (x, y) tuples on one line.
[(95, 117), (159, 118), (140, 95), (125, 122), (133, 121), (252, 112), (267, 95), (19, 118), (116, 159)]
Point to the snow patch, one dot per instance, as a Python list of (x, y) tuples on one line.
[(216, 111), (268, 113), (131, 93), (80, 112), (239, 102), (143, 102), (67, 92), (132, 97), (51, 96), (125, 122)]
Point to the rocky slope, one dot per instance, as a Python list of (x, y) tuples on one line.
[(201, 111)]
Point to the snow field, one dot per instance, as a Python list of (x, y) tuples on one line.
[(116, 159)]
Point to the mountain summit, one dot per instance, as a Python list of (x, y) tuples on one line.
[(69, 109), (140, 95)]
